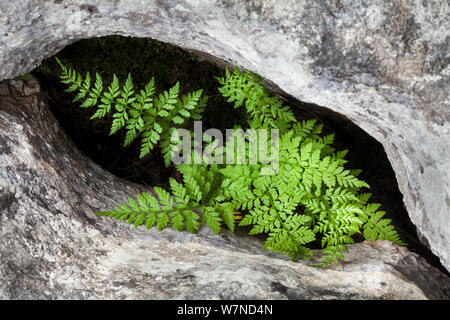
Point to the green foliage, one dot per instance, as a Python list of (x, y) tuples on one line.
[(142, 113), (311, 196), (247, 89), (197, 201), (25, 77)]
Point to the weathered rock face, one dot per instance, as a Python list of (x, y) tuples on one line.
[(53, 246), (385, 65)]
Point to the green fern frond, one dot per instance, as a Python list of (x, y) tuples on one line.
[(140, 113), (376, 228), (311, 172), (247, 89)]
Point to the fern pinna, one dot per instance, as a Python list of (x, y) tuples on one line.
[(312, 196)]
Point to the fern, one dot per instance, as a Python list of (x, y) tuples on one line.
[(140, 113), (312, 196), (305, 179), (311, 176), (376, 228), (247, 89), (186, 206)]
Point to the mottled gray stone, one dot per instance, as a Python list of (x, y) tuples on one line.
[(53, 246), (383, 64)]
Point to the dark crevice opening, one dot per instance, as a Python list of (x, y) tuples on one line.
[(145, 58)]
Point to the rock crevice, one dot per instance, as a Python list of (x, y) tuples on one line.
[(54, 246), (383, 65)]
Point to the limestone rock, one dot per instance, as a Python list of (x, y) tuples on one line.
[(384, 65), (54, 247)]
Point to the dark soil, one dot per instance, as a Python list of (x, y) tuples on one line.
[(144, 58)]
